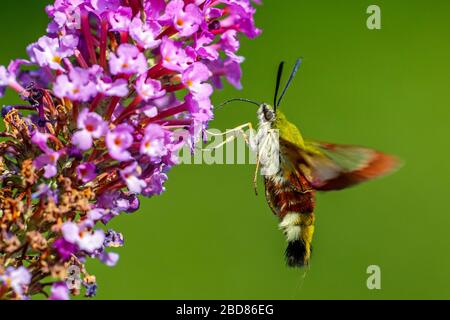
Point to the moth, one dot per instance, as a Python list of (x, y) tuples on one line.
[(294, 169)]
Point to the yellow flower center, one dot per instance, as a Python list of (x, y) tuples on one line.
[(180, 22), (57, 59)]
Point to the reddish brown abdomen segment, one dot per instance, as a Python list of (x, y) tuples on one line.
[(288, 195), (292, 199)]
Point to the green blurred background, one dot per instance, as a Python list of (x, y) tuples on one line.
[(209, 237)]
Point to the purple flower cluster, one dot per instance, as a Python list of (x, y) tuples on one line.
[(106, 91)]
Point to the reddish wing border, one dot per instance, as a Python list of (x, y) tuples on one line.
[(380, 165), (376, 165)]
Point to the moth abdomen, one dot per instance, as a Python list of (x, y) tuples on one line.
[(298, 229), (296, 253)]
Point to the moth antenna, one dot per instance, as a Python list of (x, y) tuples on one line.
[(277, 85), (291, 77), (238, 99)]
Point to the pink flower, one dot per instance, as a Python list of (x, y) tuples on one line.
[(131, 176), (201, 110), (47, 161), (120, 18), (5, 77), (88, 241), (119, 140), (40, 139), (64, 249), (86, 172), (194, 79), (187, 21), (106, 85), (145, 33), (154, 8), (174, 57), (241, 16), (91, 127), (49, 52), (59, 291), (155, 183), (17, 279), (230, 69), (118, 88), (109, 258), (154, 142), (96, 214), (149, 88), (204, 48), (102, 6), (127, 60), (64, 17), (229, 41), (77, 86)]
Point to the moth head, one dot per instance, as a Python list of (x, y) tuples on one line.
[(266, 113)]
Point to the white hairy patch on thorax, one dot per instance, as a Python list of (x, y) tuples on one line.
[(290, 226), (266, 145)]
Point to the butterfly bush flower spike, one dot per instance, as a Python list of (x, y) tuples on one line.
[(105, 93)]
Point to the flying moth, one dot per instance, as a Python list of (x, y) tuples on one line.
[(294, 169)]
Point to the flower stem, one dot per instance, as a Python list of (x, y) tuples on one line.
[(112, 107), (124, 37), (136, 6), (80, 59), (170, 31), (95, 102), (86, 28), (103, 42), (132, 108), (168, 113)]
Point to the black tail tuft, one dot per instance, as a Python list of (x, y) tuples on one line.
[(296, 254)]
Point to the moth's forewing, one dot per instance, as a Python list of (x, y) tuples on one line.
[(334, 167)]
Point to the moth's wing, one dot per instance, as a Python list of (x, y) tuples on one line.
[(330, 166), (292, 161), (270, 192), (342, 166)]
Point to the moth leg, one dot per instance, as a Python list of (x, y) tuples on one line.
[(239, 128), (258, 163), (232, 137), (244, 135), (229, 139), (255, 177)]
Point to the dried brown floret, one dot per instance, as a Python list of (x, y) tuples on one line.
[(12, 209), (59, 271), (28, 172), (37, 241), (12, 243)]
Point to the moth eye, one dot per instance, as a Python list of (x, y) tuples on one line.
[(268, 115)]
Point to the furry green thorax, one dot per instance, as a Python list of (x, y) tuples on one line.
[(287, 130)]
